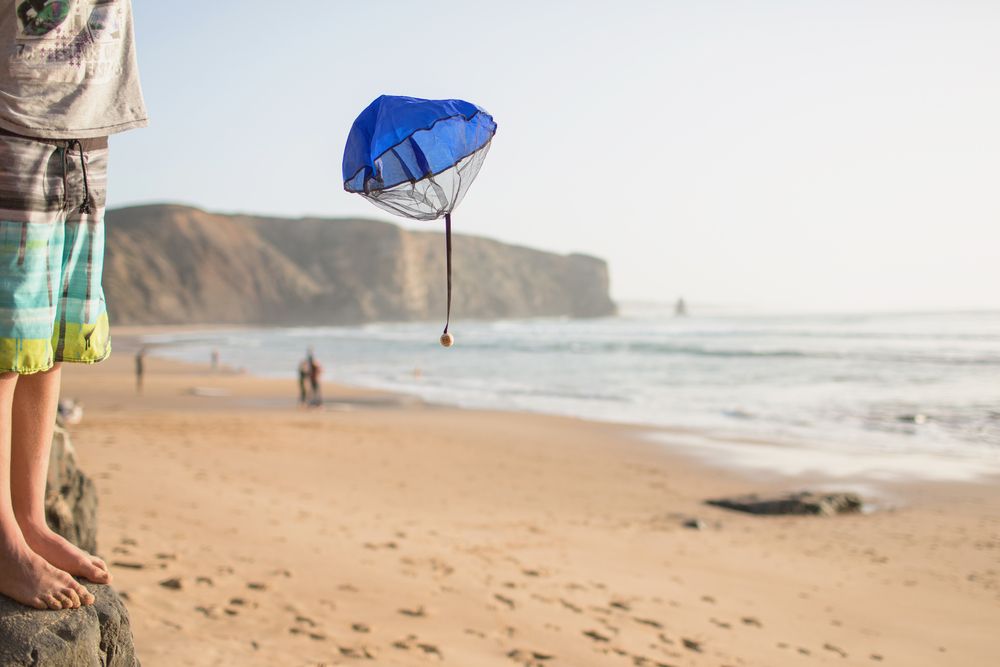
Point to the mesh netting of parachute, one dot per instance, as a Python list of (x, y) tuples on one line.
[(417, 158)]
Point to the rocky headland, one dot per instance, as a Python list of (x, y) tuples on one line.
[(171, 264)]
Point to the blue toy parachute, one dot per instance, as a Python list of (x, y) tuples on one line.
[(417, 158)]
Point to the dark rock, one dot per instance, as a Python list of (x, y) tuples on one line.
[(93, 636), (694, 524), (805, 502), (70, 496)]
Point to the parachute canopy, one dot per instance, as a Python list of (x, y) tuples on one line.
[(415, 157)]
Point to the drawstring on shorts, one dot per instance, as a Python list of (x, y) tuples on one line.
[(87, 205)]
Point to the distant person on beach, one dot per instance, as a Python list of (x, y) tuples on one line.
[(215, 360), (139, 369), (68, 79), (315, 371), (303, 379)]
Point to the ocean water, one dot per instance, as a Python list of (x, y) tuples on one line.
[(886, 394)]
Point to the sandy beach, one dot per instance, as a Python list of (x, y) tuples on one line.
[(247, 531)]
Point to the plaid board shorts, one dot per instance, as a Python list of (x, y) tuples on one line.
[(52, 197)]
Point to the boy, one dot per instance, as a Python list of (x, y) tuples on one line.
[(68, 79)]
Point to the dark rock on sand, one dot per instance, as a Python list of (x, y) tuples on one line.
[(93, 636), (70, 496), (805, 502)]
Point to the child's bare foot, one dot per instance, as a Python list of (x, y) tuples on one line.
[(27, 578), (63, 554)]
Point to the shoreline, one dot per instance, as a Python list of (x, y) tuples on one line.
[(881, 476)]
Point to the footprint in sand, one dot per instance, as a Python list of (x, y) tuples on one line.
[(596, 636), (360, 627), (380, 545), (835, 649), (528, 658), (307, 627), (572, 607), (419, 612), (208, 612), (430, 649), (505, 600), (359, 652), (643, 661), (692, 644), (413, 642), (128, 565)]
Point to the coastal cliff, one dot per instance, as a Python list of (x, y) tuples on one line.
[(170, 264)]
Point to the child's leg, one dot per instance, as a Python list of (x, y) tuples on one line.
[(24, 575), (34, 412)]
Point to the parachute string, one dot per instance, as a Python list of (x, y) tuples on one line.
[(447, 245)]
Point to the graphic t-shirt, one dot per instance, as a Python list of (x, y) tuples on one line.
[(68, 68)]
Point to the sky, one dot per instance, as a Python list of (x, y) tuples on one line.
[(796, 156)]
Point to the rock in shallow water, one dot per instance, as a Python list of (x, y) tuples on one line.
[(805, 502), (93, 636)]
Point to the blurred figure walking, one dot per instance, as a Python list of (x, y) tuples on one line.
[(140, 357), (303, 378), (315, 371)]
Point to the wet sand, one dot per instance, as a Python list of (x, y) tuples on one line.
[(246, 531)]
